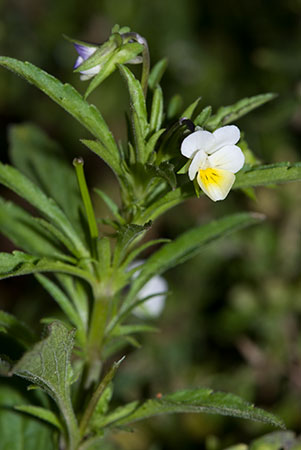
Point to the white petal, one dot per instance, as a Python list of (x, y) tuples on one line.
[(198, 160), (229, 158), (198, 140), (89, 73), (223, 136), (215, 183), (154, 306)]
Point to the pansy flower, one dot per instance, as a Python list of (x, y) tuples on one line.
[(214, 159), (84, 52)]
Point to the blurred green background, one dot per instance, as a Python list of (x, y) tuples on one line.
[(232, 320)]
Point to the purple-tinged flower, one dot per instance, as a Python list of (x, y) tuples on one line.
[(84, 52)]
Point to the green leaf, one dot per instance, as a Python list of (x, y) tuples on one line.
[(27, 233), (165, 171), (268, 175), (275, 441), (14, 180), (156, 116), (157, 72), (48, 366), (65, 304), (174, 106), (77, 291), (41, 413), (42, 161), (66, 96), (110, 204), (204, 115), (151, 144), (19, 431), (93, 405), (192, 109), (137, 101), (185, 247), (124, 330), (19, 263), (228, 114), (190, 401), (16, 329)]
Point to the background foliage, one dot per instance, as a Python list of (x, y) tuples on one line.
[(233, 317)]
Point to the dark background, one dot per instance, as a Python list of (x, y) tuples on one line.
[(232, 320)]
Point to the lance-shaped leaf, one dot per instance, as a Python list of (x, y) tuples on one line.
[(109, 157), (277, 440), (42, 160), (157, 72), (41, 413), (16, 329), (268, 175), (21, 185), (186, 246), (66, 96), (139, 113), (228, 114), (48, 366), (20, 431), (156, 116), (192, 109), (19, 263), (27, 233), (189, 401)]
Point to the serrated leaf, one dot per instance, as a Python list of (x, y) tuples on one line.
[(26, 233), (37, 156), (192, 401), (185, 247), (66, 96), (228, 114), (21, 185), (16, 329), (19, 263), (156, 116), (157, 72), (165, 171), (19, 431), (41, 413), (48, 366)]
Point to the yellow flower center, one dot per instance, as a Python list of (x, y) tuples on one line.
[(210, 176)]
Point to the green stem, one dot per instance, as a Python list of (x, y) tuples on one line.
[(79, 168), (96, 337)]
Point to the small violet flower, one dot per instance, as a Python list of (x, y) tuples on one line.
[(84, 52), (214, 159), (156, 286)]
